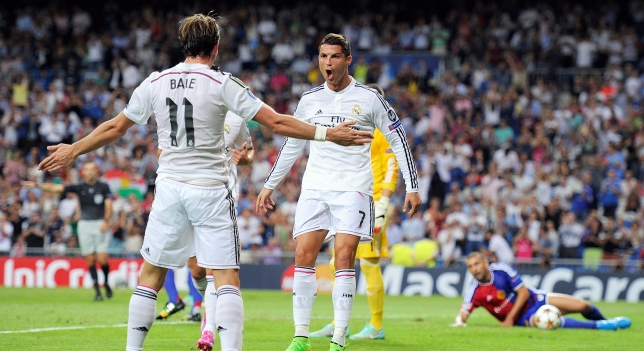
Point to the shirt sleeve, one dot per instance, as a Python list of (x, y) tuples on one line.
[(387, 121), (289, 152), (107, 192), (72, 188), (469, 299), (238, 98), (510, 274), (139, 108)]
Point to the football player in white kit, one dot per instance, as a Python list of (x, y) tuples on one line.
[(337, 186), (240, 153), (189, 102)]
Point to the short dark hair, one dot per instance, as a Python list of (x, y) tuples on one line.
[(337, 39), (198, 34), (476, 254), (377, 87)]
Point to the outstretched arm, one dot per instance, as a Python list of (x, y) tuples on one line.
[(65, 154), (292, 127), (47, 187)]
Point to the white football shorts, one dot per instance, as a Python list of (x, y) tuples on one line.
[(188, 219), (348, 212)]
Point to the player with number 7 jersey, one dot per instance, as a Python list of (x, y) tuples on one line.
[(193, 206), (337, 186)]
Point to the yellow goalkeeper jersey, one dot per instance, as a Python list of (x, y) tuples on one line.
[(383, 165)]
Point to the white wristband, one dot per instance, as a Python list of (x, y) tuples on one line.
[(320, 133)]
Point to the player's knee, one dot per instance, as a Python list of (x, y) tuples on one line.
[(586, 306), (305, 257), (226, 277), (198, 272), (344, 260)]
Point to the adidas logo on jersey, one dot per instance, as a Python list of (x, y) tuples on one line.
[(319, 112), (147, 250), (142, 329)]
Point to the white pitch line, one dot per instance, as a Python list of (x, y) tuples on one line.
[(123, 325), (80, 327)]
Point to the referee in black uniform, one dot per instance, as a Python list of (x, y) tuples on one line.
[(95, 201)]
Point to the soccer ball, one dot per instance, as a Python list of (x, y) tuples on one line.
[(547, 317)]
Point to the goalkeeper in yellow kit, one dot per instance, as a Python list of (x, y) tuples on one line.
[(385, 177)]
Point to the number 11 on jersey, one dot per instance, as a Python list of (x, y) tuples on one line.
[(190, 129)]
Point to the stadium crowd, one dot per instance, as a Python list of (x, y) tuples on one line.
[(530, 145)]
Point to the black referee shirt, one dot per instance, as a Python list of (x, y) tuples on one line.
[(91, 198)]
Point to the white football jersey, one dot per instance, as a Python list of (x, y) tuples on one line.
[(236, 133), (190, 102), (339, 168)]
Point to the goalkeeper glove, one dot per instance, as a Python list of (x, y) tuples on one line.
[(381, 213)]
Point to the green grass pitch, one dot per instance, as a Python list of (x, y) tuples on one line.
[(72, 322)]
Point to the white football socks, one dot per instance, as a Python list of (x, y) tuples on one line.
[(200, 285), (304, 293), (210, 298), (229, 317), (344, 291), (143, 304)]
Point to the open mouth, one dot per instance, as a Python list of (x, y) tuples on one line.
[(329, 74)]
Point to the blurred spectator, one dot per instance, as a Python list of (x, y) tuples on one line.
[(544, 249), (413, 228), (6, 233), (523, 247), (57, 247), (34, 232), (249, 229), (449, 239), (498, 248), (611, 189), (571, 234)]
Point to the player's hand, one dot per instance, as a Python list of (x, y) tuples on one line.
[(381, 213), (264, 200), (240, 155), (63, 156), (103, 226), (507, 322), (458, 322), (28, 184), (343, 135), (412, 201)]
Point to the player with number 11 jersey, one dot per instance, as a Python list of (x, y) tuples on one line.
[(190, 102)]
